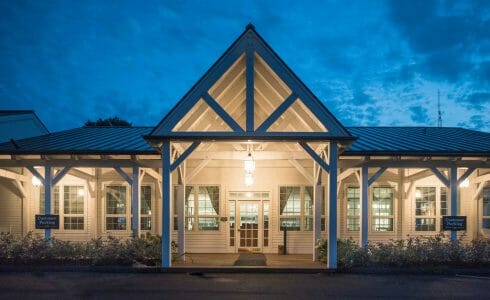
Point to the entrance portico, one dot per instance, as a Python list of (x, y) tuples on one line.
[(250, 99)]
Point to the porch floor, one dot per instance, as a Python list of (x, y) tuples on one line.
[(227, 260)]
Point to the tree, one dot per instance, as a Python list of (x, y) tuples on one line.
[(108, 122)]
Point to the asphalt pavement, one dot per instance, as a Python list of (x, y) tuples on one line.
[(93, 285)]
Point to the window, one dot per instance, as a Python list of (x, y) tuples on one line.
[(266, 223), (208, 208), (353, 209), (425, 209), (207, 200), (297, 208), (116, 207), (443, 201), (308, 209), (55, 200), (382, 209), (290, 207), (189, 207), (145, 207), (232, 223), (486, 208), (73, 207), (69, 205)]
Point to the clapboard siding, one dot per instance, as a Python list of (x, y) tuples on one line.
[(269, 176), (10, 208)]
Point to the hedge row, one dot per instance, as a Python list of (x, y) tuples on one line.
[(35, 249), (413, 251)]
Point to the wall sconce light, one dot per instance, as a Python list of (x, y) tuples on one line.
[(465, 183), (36, 181)]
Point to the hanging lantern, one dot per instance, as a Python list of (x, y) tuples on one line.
[(249, 164), (249, 179)]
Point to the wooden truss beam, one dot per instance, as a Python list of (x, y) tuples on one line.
[(222, 113), (301, 170), (277, 113), (184, 155), (315, 157)]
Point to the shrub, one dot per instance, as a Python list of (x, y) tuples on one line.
[(413, 251), (35, 249)]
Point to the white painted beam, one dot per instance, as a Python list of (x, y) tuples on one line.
[(12, 175), (302, 170), (197, 169)]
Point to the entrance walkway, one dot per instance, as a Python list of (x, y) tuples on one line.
[(228, 260)]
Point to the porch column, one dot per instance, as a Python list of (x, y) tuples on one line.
[(317, 205), (453, 196), (166, 184), (332, 208), (180, 196), (135, 201), (364, 187), (48, 191)]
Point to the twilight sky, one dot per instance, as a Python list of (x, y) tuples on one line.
[(370, 62)]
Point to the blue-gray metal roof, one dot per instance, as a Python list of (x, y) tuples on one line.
[(370, 141), (85, 140), (418, 141)]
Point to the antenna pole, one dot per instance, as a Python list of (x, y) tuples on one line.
[(439, 115)]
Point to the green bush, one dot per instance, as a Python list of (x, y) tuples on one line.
[(413, 251), (35, 249)]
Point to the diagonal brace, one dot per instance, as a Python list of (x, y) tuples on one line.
[(36, 173), (376, 175), (60, 175), (315, 156), (277, 113), (222, 113), (184, 155), (441, 176), (123, 175), (465, 175)]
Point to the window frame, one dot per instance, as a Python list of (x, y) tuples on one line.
[(61, 206), (152, 207), (372, 217), (437, 208), (127, 214), (347, 217), (482, 216), (195, 215), (302, 214)]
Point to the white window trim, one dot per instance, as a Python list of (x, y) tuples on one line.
[(61, 209), (437, 216), (302, 216), (370, 209), (128, 208), (195, 216), (347, 209), (152, 207)]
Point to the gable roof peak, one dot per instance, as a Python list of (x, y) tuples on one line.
[(250, 26)]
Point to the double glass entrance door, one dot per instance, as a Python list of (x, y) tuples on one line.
[(249, 222)]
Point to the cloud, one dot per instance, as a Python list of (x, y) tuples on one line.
[(419, 115)]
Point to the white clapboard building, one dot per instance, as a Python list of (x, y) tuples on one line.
[(248, 152)]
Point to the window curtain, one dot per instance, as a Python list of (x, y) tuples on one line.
[(309, 190), (213, 192), (285, 191)]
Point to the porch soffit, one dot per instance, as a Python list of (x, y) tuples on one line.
[(250, 93)]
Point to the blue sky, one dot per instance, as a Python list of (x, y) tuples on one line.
[(370, 62)]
